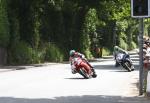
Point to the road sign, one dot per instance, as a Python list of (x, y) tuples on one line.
[(140, 8)]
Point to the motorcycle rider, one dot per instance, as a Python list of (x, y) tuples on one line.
[(74, 54), (117, 51)]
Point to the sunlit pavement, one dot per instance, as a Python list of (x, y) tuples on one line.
[(54, 83)]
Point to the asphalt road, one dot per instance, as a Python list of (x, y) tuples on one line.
[(55, 84)]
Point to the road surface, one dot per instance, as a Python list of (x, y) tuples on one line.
[(55, 84)]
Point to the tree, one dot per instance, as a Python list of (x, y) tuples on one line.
[(4, 24)]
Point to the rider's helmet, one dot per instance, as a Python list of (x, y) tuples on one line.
[(71, 53), (116, 48)]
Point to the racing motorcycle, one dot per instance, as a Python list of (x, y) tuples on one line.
[(81, 67), (124, 61)]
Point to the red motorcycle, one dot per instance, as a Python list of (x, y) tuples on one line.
[(81, 67)]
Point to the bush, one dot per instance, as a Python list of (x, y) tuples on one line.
[(22, 53), (123, 44), (38, 55), (133, 45), (106, 52), (88, 54), (54, 54)]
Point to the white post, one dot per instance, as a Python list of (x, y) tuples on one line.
[(148, 85)]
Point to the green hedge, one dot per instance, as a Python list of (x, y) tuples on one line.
[(54, 54), (22, 53), (106, 52), (4, 25)]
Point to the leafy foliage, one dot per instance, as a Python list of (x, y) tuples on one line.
[(22, 53), (88, 31), (4, 24), (54, 54), (106, 52), (35, 31)]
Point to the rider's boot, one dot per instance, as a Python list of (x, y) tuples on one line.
[(117, 64), (132, 68)]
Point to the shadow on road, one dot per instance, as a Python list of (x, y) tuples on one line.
[(78, 99), (77, 78), (112, 67), (120, 71)]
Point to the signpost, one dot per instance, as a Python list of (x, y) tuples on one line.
[(141, 29), (140, 9)]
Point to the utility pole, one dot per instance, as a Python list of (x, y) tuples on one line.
[(141, 31), (140, 9)]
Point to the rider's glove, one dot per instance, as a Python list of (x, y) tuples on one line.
[(82, 56), (73, 71), (125, 52)]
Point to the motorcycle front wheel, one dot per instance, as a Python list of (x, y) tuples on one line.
[(94, 74), (83, 72), (127, 66)]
